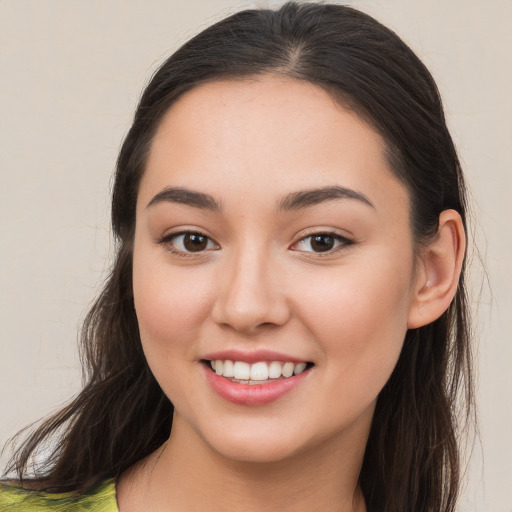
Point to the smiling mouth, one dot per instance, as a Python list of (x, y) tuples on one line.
[(261, 372)]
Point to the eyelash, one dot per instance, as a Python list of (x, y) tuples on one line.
[(167, 241), (341, 241)]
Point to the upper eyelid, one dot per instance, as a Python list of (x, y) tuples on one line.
[(336, 236), (185, 231), (166, 239), (306, 233)]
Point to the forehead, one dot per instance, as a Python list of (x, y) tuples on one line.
[(266, 135)]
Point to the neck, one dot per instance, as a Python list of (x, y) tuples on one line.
[(187, 475)]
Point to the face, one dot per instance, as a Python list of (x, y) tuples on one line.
[(271, 236)]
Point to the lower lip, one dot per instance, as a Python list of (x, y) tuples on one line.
[(252, 394)]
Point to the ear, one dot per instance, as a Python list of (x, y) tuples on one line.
[(438, 271)]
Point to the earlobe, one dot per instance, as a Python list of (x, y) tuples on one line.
[(438, 271)]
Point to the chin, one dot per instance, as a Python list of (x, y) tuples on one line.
[(257, 447), (260, 452)]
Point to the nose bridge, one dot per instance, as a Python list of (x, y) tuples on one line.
[(249, 295)]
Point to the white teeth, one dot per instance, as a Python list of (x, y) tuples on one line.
[(288, 369), (274, 370), (259, 371), (241, 370), (256, 372), (299, 368), (228, 370)]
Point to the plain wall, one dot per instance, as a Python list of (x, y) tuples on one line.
[(70, 76)]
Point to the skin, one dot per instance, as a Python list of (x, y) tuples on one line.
[(259, 284)]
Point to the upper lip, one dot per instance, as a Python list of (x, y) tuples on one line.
[(252, 356)]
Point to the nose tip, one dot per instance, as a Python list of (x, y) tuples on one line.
[(249, 299)]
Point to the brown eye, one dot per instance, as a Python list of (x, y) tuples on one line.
[(322, 242), (194, 242), (189, 242)]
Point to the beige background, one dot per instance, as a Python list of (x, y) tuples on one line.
[(71, 72)]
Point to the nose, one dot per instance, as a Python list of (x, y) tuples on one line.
[(250, 295)]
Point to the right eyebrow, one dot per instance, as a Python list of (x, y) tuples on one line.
[(307, 198), (185, 196)]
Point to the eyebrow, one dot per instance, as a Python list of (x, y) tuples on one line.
[(307, 198), (292, 201), (188, 197)]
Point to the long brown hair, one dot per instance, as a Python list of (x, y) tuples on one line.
[(412, 457)]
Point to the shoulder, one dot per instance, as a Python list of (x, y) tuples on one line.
[(101, 498)]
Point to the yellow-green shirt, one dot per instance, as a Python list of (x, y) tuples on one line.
[(102, 498)]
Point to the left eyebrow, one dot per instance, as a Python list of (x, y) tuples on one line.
[(307, 198), (188, 197)]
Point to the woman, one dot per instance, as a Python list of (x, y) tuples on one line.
[(288, 292)]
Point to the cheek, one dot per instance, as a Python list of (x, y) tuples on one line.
[(360, 316), (360, 322), (171, 306)]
